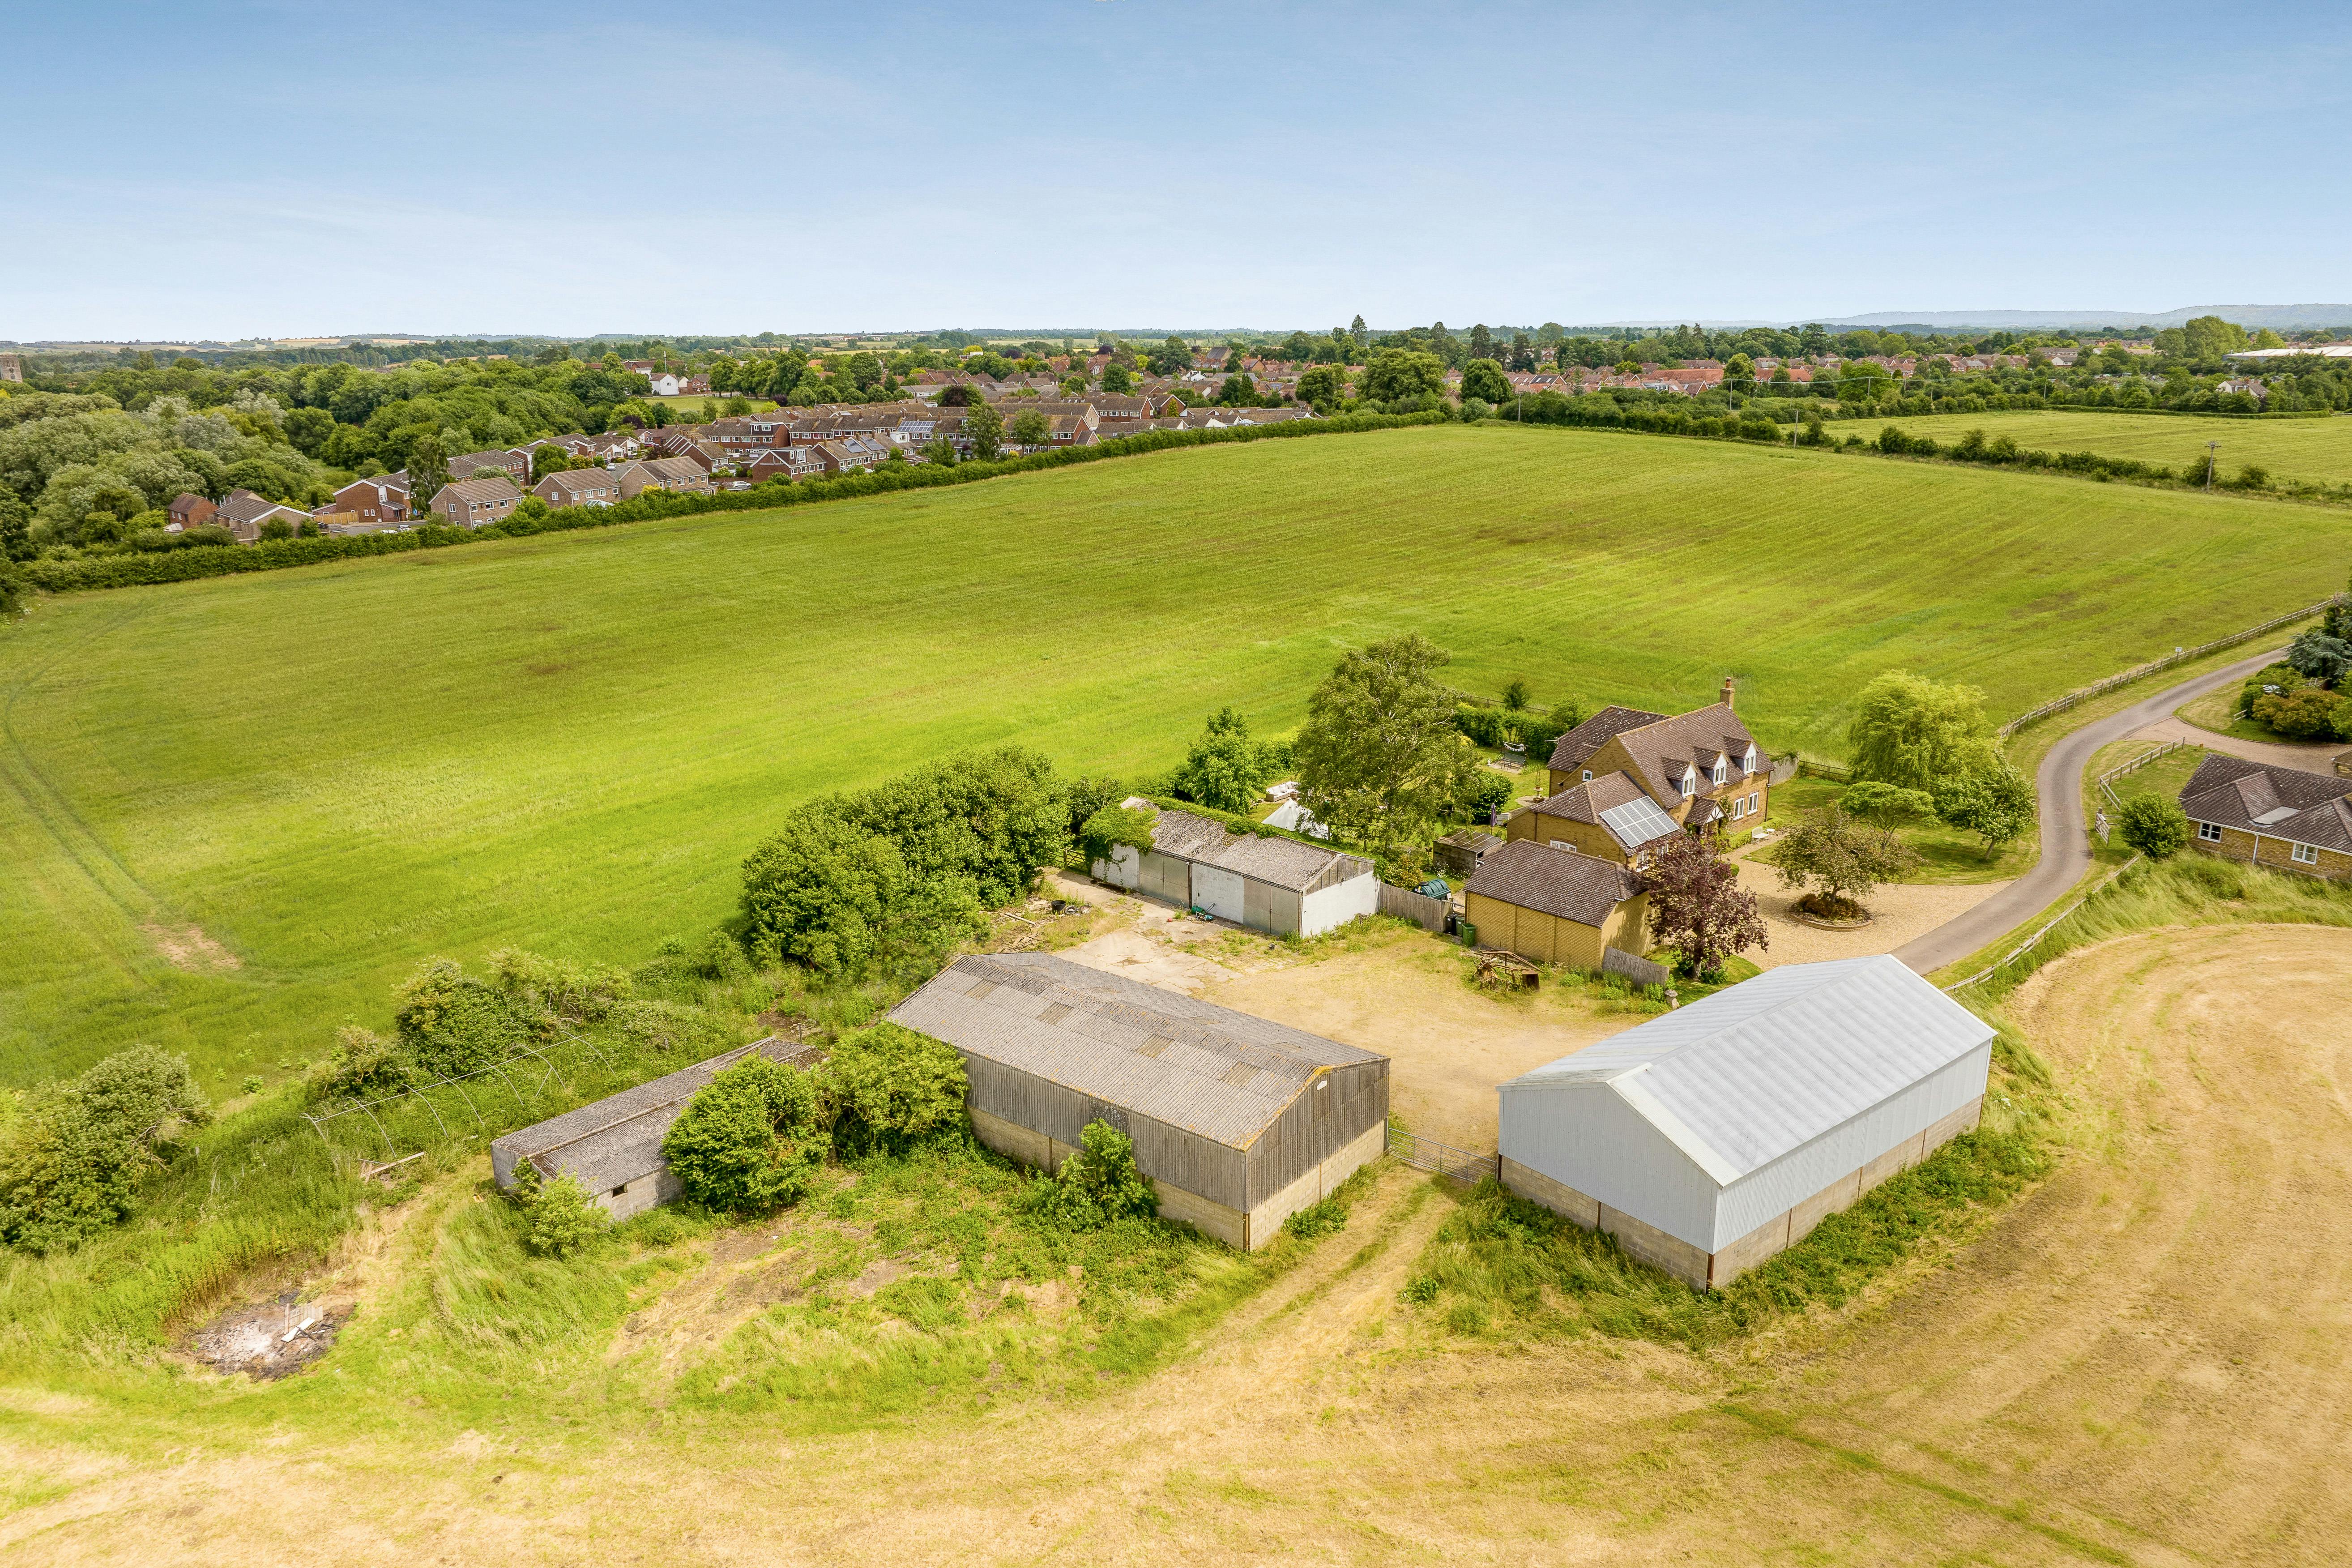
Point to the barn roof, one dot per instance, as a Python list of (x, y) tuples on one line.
[(1222, 1075), (616, 1140), (1740, 1078), (1532, 876), (1283, 862)]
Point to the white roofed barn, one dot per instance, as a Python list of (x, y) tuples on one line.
[(1712, 1137)]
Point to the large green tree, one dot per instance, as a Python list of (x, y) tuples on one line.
[(1995, 803), (428, 468), (1225, 769), (1483, 378), (1398, 374), (1915, 732), (1843, 857), (983, 427), (1379, 758), (1030, 429)]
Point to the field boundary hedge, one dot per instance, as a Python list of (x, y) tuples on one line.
[(94, 572)]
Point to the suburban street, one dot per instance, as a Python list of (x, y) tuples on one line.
[(2065, 823)]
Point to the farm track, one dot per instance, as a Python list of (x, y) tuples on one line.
[(2140, 1363)]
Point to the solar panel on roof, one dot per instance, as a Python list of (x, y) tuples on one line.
[(1637, 822)]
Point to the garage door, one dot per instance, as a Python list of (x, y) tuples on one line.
[(1218, 890)]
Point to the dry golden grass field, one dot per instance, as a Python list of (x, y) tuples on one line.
[(2142, 1362)]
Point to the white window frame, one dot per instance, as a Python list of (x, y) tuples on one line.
[(2211, 832), (1690, 783), (1588, 775), (2306, 854)]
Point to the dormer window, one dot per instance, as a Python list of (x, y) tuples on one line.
[(1747, 762), (1720, 775), (1690, 782)]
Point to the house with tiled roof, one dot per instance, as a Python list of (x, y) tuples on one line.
[(1615, 777), (579, 486), (475, 503), (1553, 905), (245, 514), (2282, 818), (682, 475)]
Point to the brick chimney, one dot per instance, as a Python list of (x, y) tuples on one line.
[(1726, 691)]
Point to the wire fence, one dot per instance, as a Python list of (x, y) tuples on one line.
[(524, 1074)]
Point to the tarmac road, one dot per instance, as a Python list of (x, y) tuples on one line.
[(2065, 824)]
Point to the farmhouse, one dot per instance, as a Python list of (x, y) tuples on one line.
[(613, 1146), (1710, 1138), (1238, 1122), (2283, 818), (1272, 884), (1556, 906), (1611, 817), (1699, 768)]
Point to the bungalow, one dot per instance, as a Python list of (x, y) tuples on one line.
[(476, 503), (681, 475), (245, 514), (2282, 818), (1555, 906), (191, 510), (578, 487)]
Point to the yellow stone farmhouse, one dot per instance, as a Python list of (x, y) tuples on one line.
[(1625, 779)]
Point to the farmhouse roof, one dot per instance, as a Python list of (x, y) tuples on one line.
[(1663, 749), (1574, 748), (2279, 802), (1219, 1074), (618, 1139), (1532, 876), (1737, 1079), (1282, 862)]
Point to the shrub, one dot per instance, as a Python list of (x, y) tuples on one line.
[(1996, 805), (1225, 769), (565, 1220), (1099, 1184), (1113, 825), (452, 1023), (365, 1066), (2283, 677), (749, 1141), (1482, 794), (71, 1166), (2305, 715), (2154, 825), (1482, 725), (1316, 1220), (890, 1089), (840, 898)]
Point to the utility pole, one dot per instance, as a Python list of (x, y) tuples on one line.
[(2212, 461)]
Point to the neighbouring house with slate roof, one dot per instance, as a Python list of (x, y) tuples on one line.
[(2283, 818), (1272, 884), (614, 1147), (1711, 1137), (1238, 1121), (1554, 905)]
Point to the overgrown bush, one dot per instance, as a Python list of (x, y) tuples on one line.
[(890, 1089), (564, 1220), (1113, 825), (749, 1140), (1098, 1183), (71, 1164), (451, 1024), (365, 1066)]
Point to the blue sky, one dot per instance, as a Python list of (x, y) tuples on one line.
[(223, 170)]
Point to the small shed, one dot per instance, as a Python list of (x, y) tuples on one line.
[(614, 1146), (1552, 905), (1460, 854), (1271, 883), (1238, 1121), (1712, 1137)]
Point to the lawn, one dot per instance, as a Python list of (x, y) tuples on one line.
[(301, 783), (1946, 855), (2318, 451)]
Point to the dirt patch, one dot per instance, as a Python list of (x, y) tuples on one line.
[(188, 948), (1134, 954), (269, 1340), (1449, 1044), (1898, 912)]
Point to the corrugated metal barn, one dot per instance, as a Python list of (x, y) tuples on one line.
[(1238, 1121), (1272, 884), (1709, 1139), (613, 1146)]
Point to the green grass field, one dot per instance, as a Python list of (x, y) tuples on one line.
[(2318, 451), (570, 741)]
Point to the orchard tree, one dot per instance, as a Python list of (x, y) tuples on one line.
[(1697, 906), (1379, 758), (1996, 803)]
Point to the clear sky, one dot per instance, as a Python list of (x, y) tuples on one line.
[(296, 169)]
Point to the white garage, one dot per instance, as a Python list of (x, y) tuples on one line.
[(1271, 883), (1712, 1137)]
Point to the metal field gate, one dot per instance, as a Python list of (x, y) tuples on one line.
[(1429, 1154)]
